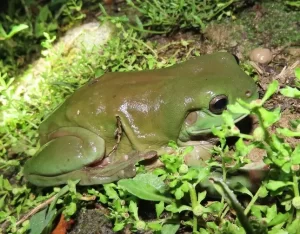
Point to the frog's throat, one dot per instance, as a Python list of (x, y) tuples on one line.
[(208, 130)]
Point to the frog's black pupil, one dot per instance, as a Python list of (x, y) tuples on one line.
[(220, 104)]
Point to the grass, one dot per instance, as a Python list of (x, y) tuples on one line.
[(173, 190)]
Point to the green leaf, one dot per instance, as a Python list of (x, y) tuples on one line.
[(290, 92), (2, 199), (37, 222), (61, 192), (294, 227), (155, 225), (212, 225), (173, 183), (203, 231), (297, 73), (228, 119), (134, 209), (279, 218), (118, 226), (152, 180), (179, 194), (170, 228), (273, 185), (185, 186), (242, 148), (219, 133), (269, 117), (276, 231), (242, 189), (3, 34), (43, 14), (159, 208), (271, 213), (171, 162), (256, 211), (237, 108), (263, 192), (295, 157), (201, 196), (184, 208), (282, 147), (102, 198), (70, 209), (110, 191), (287, 132), (15, 29), (51, 214), (203, 174), (272, 88), (144, 189), (173, 145), (190, 175), (215, 207), (174, 209), (293, 3)]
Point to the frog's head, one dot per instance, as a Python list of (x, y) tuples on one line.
[(220, 82)]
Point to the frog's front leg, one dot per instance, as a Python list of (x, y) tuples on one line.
[(71, 154)]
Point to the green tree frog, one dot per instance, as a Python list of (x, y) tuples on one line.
[(99, 133)]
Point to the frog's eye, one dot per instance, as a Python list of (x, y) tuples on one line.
[(218, 104)]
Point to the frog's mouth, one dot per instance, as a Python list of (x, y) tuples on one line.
[(205, 129)]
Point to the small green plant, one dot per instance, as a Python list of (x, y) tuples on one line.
[(281, 157), (14, 30), (162, 16), (72, 9), (293, 3)]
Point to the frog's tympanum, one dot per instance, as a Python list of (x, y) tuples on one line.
[(100, 132)]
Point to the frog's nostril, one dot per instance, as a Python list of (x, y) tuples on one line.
[(248, 93)]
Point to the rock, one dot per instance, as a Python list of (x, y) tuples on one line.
[(261, 55)]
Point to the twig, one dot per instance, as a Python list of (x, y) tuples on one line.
[(35, 210), (118, 134)]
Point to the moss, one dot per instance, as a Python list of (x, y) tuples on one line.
[(270, 23)]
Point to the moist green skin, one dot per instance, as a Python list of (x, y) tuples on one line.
[(152, 107)]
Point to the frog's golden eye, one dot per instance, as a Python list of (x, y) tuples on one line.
[(218, 104)]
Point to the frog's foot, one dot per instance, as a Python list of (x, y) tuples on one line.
[(200, 153)]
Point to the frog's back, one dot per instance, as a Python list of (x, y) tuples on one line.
[(131, 94), (96, 105)]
